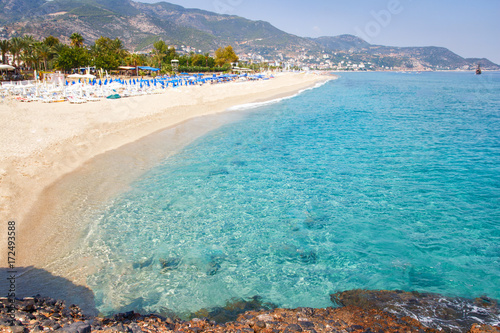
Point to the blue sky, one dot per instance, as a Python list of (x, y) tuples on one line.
[(468, 28)]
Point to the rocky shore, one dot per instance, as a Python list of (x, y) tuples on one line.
[(360, 311)]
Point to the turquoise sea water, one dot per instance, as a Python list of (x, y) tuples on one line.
[(374, 181)]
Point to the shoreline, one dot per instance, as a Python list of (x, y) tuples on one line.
[(358, 311), (87, 131)]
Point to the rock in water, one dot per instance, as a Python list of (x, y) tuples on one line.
[(170, 263), (433, 310)]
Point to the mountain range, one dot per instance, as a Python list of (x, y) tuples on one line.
[(139, 25)]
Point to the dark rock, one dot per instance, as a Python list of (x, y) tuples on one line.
[(129, 315), (260, 324), (18, 329), (308, 257), (170, 263), (48, 323), (121, 328), (6, 322), (31, 316), (27, 305), (213, 267), (293, 328), (447, 313), (78, 327), (195, 329), (135, 328), (306, 324), (306, 311)]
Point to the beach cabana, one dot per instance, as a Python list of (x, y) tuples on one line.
[(127, 70), (147, 68), (4, 69), (75, 76)]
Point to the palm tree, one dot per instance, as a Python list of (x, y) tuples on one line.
[(76, 39), (160, 51), (4, 48), (51, 41), (29, 51), (133, 59), (206, 58), (16, 45), (45, 53), (29, 40)]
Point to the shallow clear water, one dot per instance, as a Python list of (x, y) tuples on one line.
[(375, 180)]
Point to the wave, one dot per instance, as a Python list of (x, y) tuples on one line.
[(276, 100)]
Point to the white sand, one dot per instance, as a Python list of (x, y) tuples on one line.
[(42, 142)]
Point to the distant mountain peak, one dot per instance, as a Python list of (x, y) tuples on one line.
[(342, 42)]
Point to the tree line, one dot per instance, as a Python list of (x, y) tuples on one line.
[(106, 53)]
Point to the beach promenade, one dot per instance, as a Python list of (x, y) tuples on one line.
[(42, 142)]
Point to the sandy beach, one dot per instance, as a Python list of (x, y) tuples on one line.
[(41, 143)]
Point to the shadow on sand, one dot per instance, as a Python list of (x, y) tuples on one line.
[(31, 281)]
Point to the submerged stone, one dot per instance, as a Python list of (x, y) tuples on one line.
[(218, 172), (142, 264), (170, 263), (450, 314)]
